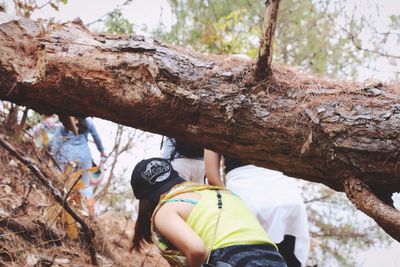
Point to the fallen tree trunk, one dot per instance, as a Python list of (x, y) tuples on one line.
[(305, 127)]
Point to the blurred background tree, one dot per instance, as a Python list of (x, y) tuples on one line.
[(322, 37)]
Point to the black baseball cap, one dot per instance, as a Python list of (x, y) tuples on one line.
[(153, 177)]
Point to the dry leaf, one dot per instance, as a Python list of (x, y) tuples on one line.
[(306, 146), (45, 138), (52, 213), (80, 185), (93, 169), (73, 177), (75, 197), (68, 170), (71, 227)]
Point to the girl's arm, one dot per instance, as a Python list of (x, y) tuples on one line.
[(212, 165), (174, 228), (96, 137)]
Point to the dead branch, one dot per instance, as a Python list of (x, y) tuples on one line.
[(88, 233), (362, 197), (263, 67)]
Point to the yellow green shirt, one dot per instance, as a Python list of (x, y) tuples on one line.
[(237, 225), (230, 231)]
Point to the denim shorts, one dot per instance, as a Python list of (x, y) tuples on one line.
[(264, 255)]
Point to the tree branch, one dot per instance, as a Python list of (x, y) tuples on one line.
[(263, 67), (88, 233), (362, 197)]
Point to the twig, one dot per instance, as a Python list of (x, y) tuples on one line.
[(318, 198), (88, 233), (45, 4)]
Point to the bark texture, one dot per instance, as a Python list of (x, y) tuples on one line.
[(362, 197), (263, 67), (308, 128)]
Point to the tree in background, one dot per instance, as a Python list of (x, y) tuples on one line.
[(309, 33)]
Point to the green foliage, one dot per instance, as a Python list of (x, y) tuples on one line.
[(306, 34), (395, 25), (27, 7), (116, 23), (215, 26), (307, 38)]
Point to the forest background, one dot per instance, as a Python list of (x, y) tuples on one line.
[(353, 39)]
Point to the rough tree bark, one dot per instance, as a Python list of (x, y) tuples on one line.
[(308, 128), (362, 197), (263, 66)]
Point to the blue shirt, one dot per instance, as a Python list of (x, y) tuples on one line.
[(67, 146)]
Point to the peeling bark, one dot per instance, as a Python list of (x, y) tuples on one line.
[(307, 128), (263, 66), (385, 216)]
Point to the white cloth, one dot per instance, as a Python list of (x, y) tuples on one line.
[(190, 169), (276, 201)]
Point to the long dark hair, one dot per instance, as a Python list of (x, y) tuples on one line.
[(143, 224), (82, 125)]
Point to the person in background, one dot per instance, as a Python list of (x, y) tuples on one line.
[(273, 197), (70, 148), (187, 159), (196, 225)]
